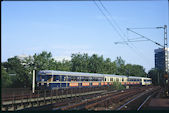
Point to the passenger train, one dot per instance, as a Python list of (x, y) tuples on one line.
[(62, 79)]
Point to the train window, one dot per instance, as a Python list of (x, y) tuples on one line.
[(111, 79), (104, 79), (62, 78), (122, 79), (39, 78), (86, 78), (117, 79), (47, 77), (56, 78), (68, 78), (73, 78), (78, 78), (95, 79), (82, 78), (99, 79), (90, 78)]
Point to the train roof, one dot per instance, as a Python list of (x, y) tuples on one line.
[(53, 72)]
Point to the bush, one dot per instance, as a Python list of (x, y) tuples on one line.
[(116, 86)]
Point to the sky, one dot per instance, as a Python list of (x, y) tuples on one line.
[(66, 27)]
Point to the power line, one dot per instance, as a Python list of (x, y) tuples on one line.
[(144, 28), (111, 24), (145, 37), (111, 17)]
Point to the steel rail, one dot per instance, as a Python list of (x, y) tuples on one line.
[(133, 99)]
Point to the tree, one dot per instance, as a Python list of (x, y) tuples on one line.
[(120, 64), (129, 69), (139, 71), (135, 70), (79, 62), (64, 65), (96, 64), (108, 66), (5, 78), (21, 78), (43, 61), (157, 76)]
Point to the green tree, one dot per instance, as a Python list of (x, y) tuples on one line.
[(79, 62), (21, 78), (157, 76), (135, 70), (129, 69), (120, 64), (5, 78), (108, 66), (64, 65), (96, 64), (43, 61)]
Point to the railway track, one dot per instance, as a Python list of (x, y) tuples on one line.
[(44, 98), (46, 93), (137, 102), (104, 100), (96, 100)]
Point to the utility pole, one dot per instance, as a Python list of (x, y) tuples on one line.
[(33, 82), (166, 59), (165, 47)]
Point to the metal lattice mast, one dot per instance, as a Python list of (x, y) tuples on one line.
[(166, 48)]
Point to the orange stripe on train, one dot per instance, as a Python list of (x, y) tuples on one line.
[(105, 83), (85, 84), (73, 84), (102, 83), (95, 83)]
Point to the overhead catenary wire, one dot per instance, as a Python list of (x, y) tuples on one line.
[(138, 51), (145, 37), (112, 18), (130, 41), (144, 28), (111, 24)]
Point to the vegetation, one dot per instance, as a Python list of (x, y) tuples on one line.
[(22, 69), (157, 76), (117, 86)]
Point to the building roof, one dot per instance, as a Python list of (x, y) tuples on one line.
[(160, 50)]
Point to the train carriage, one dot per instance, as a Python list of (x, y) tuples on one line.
[(62, 79)]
